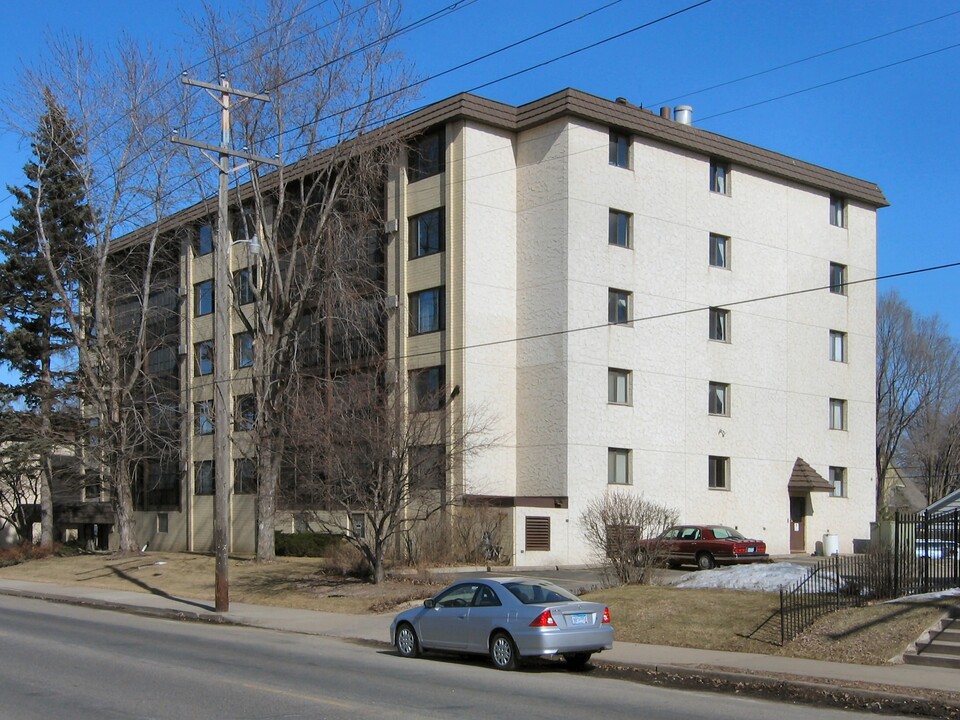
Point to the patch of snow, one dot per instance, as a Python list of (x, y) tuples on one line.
[(760, 577), (952, 592)]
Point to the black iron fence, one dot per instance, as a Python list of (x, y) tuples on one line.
[(922, 557)]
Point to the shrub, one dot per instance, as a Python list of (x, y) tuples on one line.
[(304, 544)]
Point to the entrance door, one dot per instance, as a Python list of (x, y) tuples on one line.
[(798, 511)]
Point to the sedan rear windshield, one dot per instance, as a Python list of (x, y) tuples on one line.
[(725, 533), (535, 593)]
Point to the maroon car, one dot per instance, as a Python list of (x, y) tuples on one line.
[(705, 546)]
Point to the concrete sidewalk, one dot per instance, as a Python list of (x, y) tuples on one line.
[(891, 680)]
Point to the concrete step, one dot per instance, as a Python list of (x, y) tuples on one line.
[(933, 660), (939, 646)]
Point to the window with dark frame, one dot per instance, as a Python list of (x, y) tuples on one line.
[(838, 278), (838, 346), (203, 298), (427, 233), (245, 412), (719, 177), (719, 324), (156, 486), (719, 400), (838, 478), (243, 350), (838, 414), (163, 522), (618, 386), (426, 471), (619, 231), (536, 533), (426, 311), (243, 282), (204, 239), (618, 306), (425, 156), (204, 481), (244, 477), (618, 466), (619, 149), (203, 417), (719, 251), (427, 389), (203, 357), (719, 472), (837, 211), (244, 225)]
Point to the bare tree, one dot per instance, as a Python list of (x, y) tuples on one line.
[(911, 352), (613, 523), (377, 470), (20, 476), (119, 115), (332, 83)]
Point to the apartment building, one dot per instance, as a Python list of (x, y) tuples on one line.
[(640, 305)]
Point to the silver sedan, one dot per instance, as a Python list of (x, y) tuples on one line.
[(507, 619)]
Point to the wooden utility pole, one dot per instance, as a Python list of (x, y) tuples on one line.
[(222, 337)]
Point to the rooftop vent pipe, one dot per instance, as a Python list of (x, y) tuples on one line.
[(683, 114), (666, 113)]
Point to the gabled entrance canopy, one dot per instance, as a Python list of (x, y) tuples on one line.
[(805, 479)]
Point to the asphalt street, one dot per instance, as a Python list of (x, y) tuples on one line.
[(64, 660)]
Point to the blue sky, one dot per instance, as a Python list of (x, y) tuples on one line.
[(896, 126)]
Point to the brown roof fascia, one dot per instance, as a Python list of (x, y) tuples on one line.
[(565, 103)]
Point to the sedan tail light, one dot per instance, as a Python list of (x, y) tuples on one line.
[(606, 615), (544, 619)]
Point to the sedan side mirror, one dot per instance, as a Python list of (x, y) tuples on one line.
[(428, 603)]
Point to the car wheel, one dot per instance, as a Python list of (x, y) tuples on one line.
[(577, 661), (503, 653), (408, 644), (705, 561)]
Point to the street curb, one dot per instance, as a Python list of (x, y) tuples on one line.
[(778, 687), (807, 691)]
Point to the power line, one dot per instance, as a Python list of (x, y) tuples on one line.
[(831, 82), (803, 60)]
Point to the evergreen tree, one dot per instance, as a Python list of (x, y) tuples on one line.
[(34, 340)]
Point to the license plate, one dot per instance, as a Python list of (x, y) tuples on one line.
[(751, 549), (579, 619)]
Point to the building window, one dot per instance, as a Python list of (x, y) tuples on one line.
[(719, 401), (163, 522), (620, 234), (244, 477), (719, 177), (244, 225), (838, 478), (619, 149), (162, 360), (618, 306), (425, 156), (204, 240), (427, 389), (426, 471), (203, 298), (838, 414), (427, 233), (618, 466), (838, 278), (204, 483), (426, 311), (719, 251), (719, 472), (243, 350), (618, 386), (837, 211), (203, 417), (203, 357), (243, 282), (536, 533), (156, 486), (359, 524), (838, 346), (720, 324), (245, 412)]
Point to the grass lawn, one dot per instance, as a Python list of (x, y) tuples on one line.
[(734, 620)]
